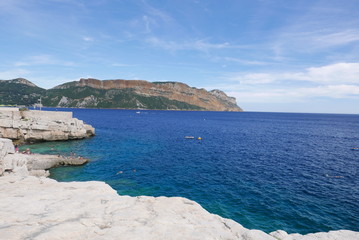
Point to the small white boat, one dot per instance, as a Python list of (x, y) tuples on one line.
[(189, 137)]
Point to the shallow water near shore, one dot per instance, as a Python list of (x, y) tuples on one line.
[(267, 171)]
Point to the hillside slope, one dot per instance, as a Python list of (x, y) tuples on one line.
[(129, 94), (19, 91)]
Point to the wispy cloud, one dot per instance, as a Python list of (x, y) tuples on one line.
[(122, 65), (14, 73), (334, 73), (42, 60), (316, 40), (243, 60), (88, 39), (156, 13), (199, 45), (335, 81), (278, 95)]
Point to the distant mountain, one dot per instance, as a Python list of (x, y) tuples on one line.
[(19, 91), (129, 94)]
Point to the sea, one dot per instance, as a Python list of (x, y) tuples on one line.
[(292, 171)]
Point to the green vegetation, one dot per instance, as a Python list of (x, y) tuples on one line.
[(87, 97), (12, 93)]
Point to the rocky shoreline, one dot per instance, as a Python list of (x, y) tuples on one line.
[(22, 164), (37, 126), (35, 207)]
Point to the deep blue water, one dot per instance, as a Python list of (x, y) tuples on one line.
[(267, 171)]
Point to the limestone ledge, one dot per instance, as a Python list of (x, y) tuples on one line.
[(31, 164), (33, 125), (40, 208)]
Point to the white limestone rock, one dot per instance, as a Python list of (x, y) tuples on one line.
[(6, 147), (93, 210), (35, 164), (43, 209), (41, 125), (31, 164)]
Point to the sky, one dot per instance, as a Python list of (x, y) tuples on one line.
[(271, 55)]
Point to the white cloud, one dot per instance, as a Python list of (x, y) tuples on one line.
[(339, 72), (282, 95), (334, 73), (335, 81), (88, 39)]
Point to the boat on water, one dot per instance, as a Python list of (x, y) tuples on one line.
[(189, 137)]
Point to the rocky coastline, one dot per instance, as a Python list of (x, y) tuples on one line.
[(35, 126), (33, 206)]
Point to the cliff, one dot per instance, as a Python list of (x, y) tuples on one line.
[(41, 208), (30, 126), (214, 100), (130, 94)]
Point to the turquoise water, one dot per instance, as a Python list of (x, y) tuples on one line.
[(267, 171)]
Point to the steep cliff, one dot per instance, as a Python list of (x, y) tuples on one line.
[(130, 94), (141, 93)]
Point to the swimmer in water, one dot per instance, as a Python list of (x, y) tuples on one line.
[(328, 176)]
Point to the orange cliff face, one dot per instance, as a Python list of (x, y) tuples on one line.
[(214, 100)]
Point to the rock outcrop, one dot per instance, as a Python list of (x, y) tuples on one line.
[(214, 100), (127, 94), (21, 81), (32, 125), (44, 209), (13, 163)]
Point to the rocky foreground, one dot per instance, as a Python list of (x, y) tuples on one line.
[(41, 208)]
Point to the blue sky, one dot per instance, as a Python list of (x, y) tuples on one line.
[(272, 55)]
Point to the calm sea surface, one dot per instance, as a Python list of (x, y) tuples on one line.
[(267, 171)]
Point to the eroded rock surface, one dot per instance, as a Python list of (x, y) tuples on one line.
[(12, 163), (41, 208), (35, 125), (215, 100)]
